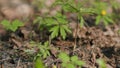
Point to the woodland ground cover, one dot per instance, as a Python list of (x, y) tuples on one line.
[(59, 34)]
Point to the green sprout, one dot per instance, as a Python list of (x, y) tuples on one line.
[(70, 62)]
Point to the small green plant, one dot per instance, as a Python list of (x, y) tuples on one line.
[(101, 63), (70, 62), (38, 62), (42, 54), (102, 15), (57, 25), (43, 49), (12, 26), (75, 6)]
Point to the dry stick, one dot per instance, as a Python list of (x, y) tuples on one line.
[(18, 63), (77, 28), (75, 44)]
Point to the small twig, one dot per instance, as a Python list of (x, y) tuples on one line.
[(75, 44), (18, 63)]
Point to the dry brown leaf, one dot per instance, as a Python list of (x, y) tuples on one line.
[(18, 43), (54, 51), (26, 33)]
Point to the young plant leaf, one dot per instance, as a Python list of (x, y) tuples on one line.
[(39, 63), (6, 24), (15, 24), (69, 65), (81, 21), (62, 32), (64, 57), (50, 22), (108, 19), (74, 58), (79, 63), (98, 18), (66, 28), (55, 31), (105, 22)]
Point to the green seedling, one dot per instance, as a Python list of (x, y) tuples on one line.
[(101, 63), (70, 62), (43, 49), (38, 62), (57, 25), (75, 6), (102, 15), (42, 54), (12, 26)]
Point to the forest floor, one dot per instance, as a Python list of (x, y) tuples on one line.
[(92, 43), (89, 44)]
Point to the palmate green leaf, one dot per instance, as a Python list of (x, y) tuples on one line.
[(74, 58), (61, 16), (15, 24), (62, 20), (48, 53), (6, 24), (46, 44), (105, 22), (39, 63), (69, 7), (64, 65), (13, 28), (44, 55), (62, 32), (98, 19), (87, 10), (79, 63), (50, 21), (42, 50), (70, 65), (55, 31), (66, 28), (108, 19), (64, 57)]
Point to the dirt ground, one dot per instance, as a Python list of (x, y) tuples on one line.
[(92, 43)]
